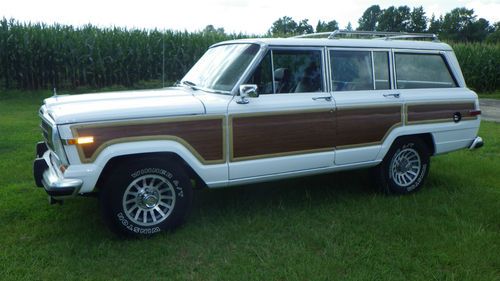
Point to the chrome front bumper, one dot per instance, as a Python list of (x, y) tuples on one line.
[(476, 143), (46, 176)]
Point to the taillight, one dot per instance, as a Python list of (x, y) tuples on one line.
[(474, 112)]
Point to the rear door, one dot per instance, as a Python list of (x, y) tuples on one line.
[(368, 106), (290, 126), (435, 96)]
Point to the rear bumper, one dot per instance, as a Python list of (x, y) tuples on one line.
[(54, 183), (476, 143)]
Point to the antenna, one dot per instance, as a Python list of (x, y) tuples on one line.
[(55, 92), (163, 61)]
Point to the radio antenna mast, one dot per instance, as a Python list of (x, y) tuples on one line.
[(163, 60)]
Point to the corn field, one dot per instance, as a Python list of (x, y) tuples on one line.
[(40, 56), (480, 65)]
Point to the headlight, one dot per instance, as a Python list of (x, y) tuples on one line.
[(53, 140), (58, 147)]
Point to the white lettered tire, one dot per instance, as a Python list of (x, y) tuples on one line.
[(404, 168), (145, 197)]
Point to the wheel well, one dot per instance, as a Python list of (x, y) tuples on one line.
[(427, 139), (165, 156)]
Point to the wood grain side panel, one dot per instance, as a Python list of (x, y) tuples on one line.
[(204, 136), (358, 126), (437, 112), (285, 133)]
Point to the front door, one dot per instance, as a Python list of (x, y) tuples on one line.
[(291, 125)]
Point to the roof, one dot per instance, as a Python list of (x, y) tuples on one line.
[(353, 43)]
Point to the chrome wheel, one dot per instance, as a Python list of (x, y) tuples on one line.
[(405, 167), (149, 200)]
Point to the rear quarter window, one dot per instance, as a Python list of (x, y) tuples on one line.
[(415, 71)]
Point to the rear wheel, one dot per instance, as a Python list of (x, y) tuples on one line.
[(404, 167), (145, 197)]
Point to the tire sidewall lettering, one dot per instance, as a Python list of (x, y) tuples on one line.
[(156, 171), (131, 227), (419, 179), (161, 172)]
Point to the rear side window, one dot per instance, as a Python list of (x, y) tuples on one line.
[(381, 66), (351, 70), (416, 71), (355, 70)]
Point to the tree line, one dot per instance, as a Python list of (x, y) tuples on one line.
[(41, 56), (458, 25)]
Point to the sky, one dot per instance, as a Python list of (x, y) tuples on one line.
[(246, 16)]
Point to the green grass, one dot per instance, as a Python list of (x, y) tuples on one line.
[(330, 227)]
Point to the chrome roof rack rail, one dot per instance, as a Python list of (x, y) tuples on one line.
[(373, 34)]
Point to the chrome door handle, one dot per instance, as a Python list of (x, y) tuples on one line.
[(396, 95), (327, 98)]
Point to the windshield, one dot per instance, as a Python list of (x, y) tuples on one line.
[(220, 68)]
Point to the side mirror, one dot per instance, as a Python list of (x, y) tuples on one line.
[(247, 91)]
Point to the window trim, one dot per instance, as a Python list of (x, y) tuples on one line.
[(374, 83), (389, 61), (250, 69), (271, 54), (442, 54), (368, 49)]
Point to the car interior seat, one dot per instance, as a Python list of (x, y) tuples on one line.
[(282, 80)]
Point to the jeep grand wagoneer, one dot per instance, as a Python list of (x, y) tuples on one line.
[(257, 110)]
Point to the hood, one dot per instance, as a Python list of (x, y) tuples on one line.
[(123, 105)]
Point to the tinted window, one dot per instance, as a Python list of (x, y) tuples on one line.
[(294, 72), (351, 70), (381, 65), (414, 71)]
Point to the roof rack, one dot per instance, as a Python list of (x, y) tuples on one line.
[(373, 34)]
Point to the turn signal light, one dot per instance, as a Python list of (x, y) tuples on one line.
[(81, 140)]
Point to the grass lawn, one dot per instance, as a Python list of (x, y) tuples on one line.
[(330, 227)]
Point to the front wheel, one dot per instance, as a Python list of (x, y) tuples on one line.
[(145, 197), (404, 167)]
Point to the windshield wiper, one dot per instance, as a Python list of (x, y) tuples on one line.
[(195, 87), (190, 84)]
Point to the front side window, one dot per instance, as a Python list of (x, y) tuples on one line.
[(220, 68), (415, 71), (289, 71)]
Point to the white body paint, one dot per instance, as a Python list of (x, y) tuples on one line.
[(65, 111)]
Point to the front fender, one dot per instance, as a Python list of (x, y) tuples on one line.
[(214, 175)]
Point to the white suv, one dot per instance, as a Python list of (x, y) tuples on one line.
[(257, 110)]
